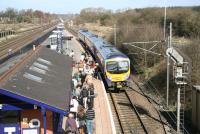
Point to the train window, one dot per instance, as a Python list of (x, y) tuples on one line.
[(117, 67), (123, 65), (111, 66)]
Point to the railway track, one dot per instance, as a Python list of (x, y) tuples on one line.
[(131, 118), (150, 116), (20, 42), (127, 114), (22, 33), (73, 31)]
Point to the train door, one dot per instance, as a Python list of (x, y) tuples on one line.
[(9, 122)]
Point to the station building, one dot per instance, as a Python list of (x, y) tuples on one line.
[(35, 94)]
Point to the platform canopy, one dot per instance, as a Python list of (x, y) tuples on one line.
[(44, 81)]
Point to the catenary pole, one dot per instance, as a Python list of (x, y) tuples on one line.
[(115, 35), (168, 67), (168, 64), (164, 31)]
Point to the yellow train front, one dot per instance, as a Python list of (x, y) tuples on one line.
[(114, 65), (117, 71)]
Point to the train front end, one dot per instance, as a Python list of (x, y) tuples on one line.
[(117, 72)]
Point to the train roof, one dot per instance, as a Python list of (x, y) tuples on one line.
[(105, 49)]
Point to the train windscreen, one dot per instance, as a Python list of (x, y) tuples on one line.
[(117, 67)]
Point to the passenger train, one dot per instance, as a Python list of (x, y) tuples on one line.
[(114, 64)]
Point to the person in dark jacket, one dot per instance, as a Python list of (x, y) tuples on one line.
[(96, 70), (84, 95), (91, 96), (90, 115)]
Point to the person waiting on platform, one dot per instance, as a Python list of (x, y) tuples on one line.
[(86, 70), (84, 95), (90, 59), (77, 76), (74, 85), (87, 80), (96, 70), (74, 106), (91, 95), (78, 89), (82, 56), (81, 119), (71, 127), (90, 115), (81, 66)]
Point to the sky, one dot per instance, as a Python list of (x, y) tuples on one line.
[(75, 6)]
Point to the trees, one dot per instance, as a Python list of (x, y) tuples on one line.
[(11, 13), (27, 16), (94, 15), (186, 20), (104, 19), (192, 50)]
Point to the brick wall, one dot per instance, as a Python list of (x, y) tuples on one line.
[(27, 115)]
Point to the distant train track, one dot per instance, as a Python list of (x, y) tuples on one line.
[(73, 31), (22, 33), (21, 41)]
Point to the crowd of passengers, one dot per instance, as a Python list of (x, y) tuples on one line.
[(81, 117)]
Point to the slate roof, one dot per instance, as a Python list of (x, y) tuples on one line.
[(46, 79)]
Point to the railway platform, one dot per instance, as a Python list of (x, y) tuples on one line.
[(103, 123)]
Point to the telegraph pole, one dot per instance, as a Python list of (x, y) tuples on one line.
[(115, 36), (168, 67), (168, 63), (165, 16), (145, 61), (170, 34)]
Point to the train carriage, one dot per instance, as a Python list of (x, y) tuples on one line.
[(114, 64)]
